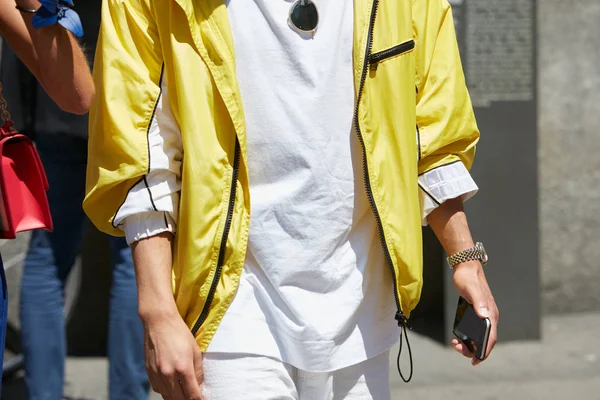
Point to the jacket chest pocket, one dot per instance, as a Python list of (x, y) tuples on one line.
[(380, 56)]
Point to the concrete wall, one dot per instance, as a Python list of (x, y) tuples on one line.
[(569, 154)]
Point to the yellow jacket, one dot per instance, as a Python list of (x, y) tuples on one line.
[(413, 114)]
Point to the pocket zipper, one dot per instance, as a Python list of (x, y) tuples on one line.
[(378, 57)]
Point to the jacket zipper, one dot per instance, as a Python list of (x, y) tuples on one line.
[(391, 52), (400, 317), (221, 259)]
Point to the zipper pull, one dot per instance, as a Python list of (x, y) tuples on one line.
[(373, 64), (403, 324), (402, 320)]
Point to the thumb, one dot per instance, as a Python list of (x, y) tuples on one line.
[(198, 368), (480, 304)]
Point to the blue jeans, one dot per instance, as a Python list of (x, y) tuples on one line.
[(46, 268)]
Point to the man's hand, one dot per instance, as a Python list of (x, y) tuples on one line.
[(471, 284), (173, 359), (449, 223)]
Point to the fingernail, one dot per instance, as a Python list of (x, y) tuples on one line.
[(484, 312)]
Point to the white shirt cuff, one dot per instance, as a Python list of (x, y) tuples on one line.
[(144, 225), (444, 183)]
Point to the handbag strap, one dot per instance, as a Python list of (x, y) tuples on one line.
[(4, 114)]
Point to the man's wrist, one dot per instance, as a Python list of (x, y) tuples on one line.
[(472, 265), (156, 303), (476, 252), (150, 314)]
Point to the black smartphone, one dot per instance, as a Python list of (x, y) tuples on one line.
[(473, 331)]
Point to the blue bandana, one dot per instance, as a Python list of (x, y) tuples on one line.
[(61, 11)]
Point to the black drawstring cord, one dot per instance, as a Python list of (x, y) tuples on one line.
[(403, 324)]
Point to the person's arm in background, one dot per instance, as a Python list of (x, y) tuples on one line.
[(447, 134), (51, 53)]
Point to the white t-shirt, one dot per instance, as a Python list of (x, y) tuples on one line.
[(316, 291)]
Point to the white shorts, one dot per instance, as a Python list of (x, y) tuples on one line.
[(242, 376)]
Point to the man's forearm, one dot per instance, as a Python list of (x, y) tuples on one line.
[(153, 262), (449, 222)]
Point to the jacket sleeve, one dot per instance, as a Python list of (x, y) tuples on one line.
[(127, 74), (446, 127), (152, 205)]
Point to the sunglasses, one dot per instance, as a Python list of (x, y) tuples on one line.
[(304, 16)]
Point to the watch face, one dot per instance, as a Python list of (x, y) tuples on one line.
[(484, 256)]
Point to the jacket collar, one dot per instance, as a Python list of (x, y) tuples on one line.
[(211, 32)]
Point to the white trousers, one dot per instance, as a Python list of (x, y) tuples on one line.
[(242, 376)]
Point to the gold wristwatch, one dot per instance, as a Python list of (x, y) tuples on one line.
[(474, 253)]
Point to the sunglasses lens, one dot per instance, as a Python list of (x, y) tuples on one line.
[(304, 17)]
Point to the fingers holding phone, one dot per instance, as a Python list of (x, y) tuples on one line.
[(472, 286), (472, 331)]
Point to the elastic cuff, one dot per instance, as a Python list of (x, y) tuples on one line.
[(148, 224)]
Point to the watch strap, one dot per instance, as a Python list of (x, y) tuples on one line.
[(473, 253)]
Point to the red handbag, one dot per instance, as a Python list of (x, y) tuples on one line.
[(23, 183)]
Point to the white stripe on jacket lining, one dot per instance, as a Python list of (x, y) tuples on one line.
[(152, 204), (444, 183)]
